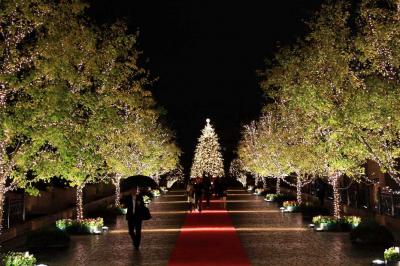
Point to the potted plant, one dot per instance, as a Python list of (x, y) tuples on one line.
[(291, 205), (146, 200), (325, 223), (84, 226), (19, 259), (392, 255), (258, 191), (270, 197), (155, 193), (350, 222)]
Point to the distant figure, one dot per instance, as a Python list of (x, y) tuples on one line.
[(207, 189), (135, 205), (198, 194), (190, 195), (320, 191), (218, 187)]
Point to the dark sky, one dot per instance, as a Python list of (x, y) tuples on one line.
[(205, 54)]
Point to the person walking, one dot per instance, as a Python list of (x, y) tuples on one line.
[(190, 195), (135, 206), (207, 189), (198, 194)]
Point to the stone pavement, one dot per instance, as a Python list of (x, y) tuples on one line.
[(268, 236)]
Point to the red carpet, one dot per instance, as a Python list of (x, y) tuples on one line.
[(207, 239)]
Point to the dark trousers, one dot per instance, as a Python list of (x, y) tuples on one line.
[(198, 202), (207, 194), (135, 230)]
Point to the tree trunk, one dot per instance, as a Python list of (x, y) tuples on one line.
[(264, 180), (298, 190), (334, 181), (278, 185), (2, 198), (117, 184), (79, 202)]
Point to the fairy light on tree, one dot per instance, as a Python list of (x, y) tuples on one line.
[(236, 171), (207, 158), (18, 19)]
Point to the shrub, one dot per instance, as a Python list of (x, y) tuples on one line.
[(392, 254), (323, 219), (146, 199), (290, 203), (279, 197), (371, 233), (345, 223), (155, 193), (19, 259), (85, 226), (271, 197), (49, 238)]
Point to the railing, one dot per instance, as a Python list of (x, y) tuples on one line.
[(14, 211), (389, 203)]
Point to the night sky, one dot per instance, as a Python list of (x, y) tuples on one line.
[(205, 54)]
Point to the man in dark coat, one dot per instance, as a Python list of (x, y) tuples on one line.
[(134, 203), (198, 194), (207, 189)]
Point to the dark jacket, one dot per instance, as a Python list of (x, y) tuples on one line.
[(139, 204)]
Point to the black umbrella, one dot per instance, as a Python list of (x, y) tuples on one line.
[(138, 181)]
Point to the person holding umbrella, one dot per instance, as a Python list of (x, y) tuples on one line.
[(134, 216)]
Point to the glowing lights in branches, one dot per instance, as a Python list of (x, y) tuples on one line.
[(207, 158)]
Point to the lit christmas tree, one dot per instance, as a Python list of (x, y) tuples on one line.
[(207, 158)]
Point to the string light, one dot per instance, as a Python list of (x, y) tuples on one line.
[(207, 158), (334, 181)]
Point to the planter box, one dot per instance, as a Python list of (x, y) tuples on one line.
[(292, 208)]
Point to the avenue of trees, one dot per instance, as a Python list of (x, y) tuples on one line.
[(335, 99), (74, 102)]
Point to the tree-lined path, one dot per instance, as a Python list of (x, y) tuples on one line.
[(267, 236)]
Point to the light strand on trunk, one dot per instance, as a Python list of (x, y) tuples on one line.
[(79, 203), (117, 184), (298, 190), (278, 185), (334, 181)]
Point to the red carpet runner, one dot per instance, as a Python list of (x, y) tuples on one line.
[(208, 238)]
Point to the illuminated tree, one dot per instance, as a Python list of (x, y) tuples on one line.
[(373, 113), (236, 171), (19, 21), (317, 85), (207, 158)]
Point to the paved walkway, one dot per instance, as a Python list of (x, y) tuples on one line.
[(268, 236)]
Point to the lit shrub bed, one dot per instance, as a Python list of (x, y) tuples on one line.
[(330, 223), (392, 254), (155, 193), (291, 205), (258, 191), (146, 199), (85, 226), (18, 259), (279, 197)]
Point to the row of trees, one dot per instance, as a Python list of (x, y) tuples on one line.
[(335, 96), (74, 102)]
